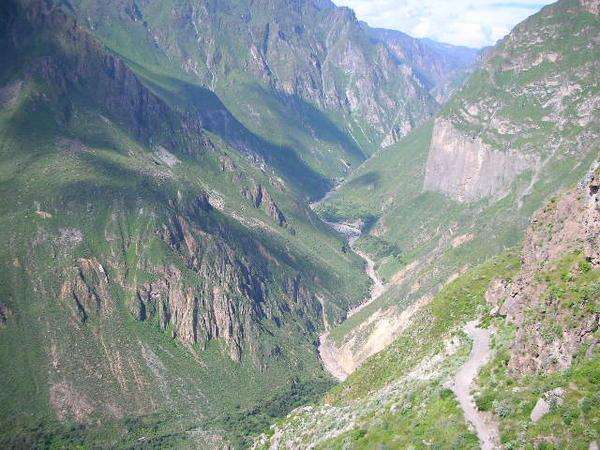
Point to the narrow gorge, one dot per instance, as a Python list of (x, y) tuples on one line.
[(338, 362)]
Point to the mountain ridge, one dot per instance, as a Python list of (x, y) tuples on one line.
[(168, 284)]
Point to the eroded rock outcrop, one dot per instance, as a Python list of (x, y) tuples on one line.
[(4, 312), (261, 198), (465, 168), (197, 314), (68, 403), (562, 245), (87, 290), (228, 302), (305, 304)]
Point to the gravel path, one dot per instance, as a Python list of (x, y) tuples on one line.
[(486, 429)]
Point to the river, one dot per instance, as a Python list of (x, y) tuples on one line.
[(330, 354)]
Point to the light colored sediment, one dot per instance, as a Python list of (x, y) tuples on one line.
[(330, 356)]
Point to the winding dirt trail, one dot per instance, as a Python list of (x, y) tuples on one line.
[(330, 354), (485, 427)]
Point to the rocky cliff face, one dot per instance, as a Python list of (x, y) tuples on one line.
[(528, 104), (467, 169), (261, 198), (308, 52), (561, 249), (333, 66), (441, 66)]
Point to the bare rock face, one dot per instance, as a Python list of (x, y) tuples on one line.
[(87, 290), (592, 6), (4, 312), (261, 198), (546, 402), (227, 164), (465, 168), (567, 223), (550, 331), (195, 315), (525, 108), (437, 64)]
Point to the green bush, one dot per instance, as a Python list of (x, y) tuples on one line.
[(485, 401), (585, 266), (569, 416), (503, 408), (357, 435)]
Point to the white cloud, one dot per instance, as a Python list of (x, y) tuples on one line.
[(475, 23)]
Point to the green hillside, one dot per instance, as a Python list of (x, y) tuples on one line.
[(147, 258), (168, 279)]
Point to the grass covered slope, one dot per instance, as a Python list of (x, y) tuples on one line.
[(158, 285), (397, 397)]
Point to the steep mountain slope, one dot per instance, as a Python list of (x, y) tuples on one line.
[(166, 282), (462, 187), (441, 66), (159, 284), (540, 387), (303, 76)]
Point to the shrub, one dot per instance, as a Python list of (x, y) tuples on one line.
[(567, 276), (356, 435), (485, 402), (586, 405), (569, 416), (446, 394), (503, 408), (585, 266)]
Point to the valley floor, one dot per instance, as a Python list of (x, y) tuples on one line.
[(332, 357)]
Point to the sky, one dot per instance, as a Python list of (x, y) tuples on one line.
[(474, 23)]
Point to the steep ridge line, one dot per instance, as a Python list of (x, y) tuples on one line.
[(486, 429), (329, 353)]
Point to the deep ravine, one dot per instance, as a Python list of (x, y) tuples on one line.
[(332, 357), (328, 351)]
